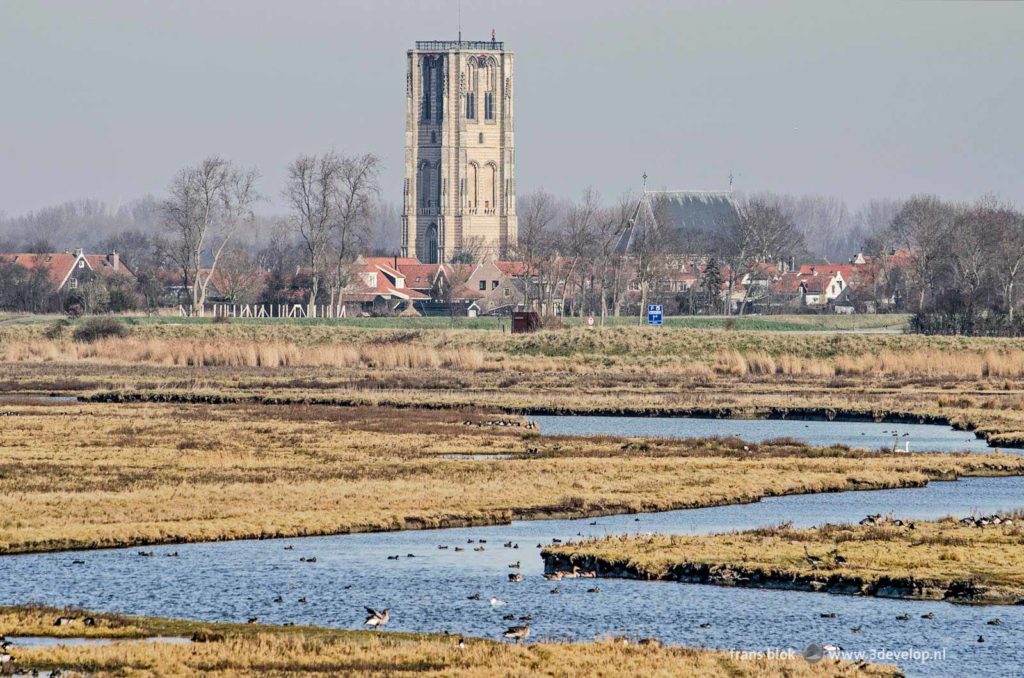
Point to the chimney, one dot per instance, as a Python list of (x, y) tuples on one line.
[(115, 259), (78, 252)]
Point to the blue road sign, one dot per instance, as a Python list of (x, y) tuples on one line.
[(654, 315)]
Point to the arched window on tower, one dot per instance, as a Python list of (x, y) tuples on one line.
[(439, 71), (474, 184), (490, 77), (471, 87), (427, 70)]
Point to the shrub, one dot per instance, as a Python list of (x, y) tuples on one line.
[(57, 329), (95, 329)]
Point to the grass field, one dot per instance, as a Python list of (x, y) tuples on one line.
[(939, 560), (86, 475), (229, 650)]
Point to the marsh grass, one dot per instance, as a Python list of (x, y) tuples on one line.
[(935, 556), (244, 650), (131, 474)]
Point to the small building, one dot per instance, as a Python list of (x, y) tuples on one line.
[(69, 270)]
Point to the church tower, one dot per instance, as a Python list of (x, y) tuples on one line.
[(459, 151)]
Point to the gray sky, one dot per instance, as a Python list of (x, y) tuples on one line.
[(109, 98)]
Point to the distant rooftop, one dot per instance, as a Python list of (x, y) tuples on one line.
[(445, 45)]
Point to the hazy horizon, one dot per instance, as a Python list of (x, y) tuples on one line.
[(107, 100)]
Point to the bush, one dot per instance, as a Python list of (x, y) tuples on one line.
[(57, 329), (95, 329)]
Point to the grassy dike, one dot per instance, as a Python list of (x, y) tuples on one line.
[(974, 563), (229, 650)]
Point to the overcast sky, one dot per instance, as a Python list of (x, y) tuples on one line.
[(108, 98)]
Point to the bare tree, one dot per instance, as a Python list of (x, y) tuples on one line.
[(239, 278), (207, 205), (359, 190), (533, 248), (924, 224), (313, 191)]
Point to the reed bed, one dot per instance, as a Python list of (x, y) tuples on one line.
[(232, 650)]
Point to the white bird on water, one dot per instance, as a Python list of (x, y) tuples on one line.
[(377, 619), (496, 602)]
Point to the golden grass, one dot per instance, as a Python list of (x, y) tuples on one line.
[(926, 559), (78, 475), (243, 650)]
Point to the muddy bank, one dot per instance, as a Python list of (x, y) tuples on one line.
[(964, 592)]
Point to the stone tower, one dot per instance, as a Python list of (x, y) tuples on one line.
[(459, 150)]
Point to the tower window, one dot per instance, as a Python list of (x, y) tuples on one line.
[(481, 137), (489, 106), (433, 137), (470, 105)]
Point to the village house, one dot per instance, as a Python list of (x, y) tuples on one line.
[(69, 270)]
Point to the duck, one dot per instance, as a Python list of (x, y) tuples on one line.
[(475, 596), (478, 548), (459, 549), (279, 599), (828, 615), (303, 598), (508, 617), (995, 622), (903, 617), (515, 577), (515, 565), (929, 615), (856, 629), (518, 633), (392, 557), (706, 625), (553, 576), (596, 589), (252, 620), (442, 547), (377, 619)]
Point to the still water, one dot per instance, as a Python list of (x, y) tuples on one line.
[(430, 591), (857, 434)]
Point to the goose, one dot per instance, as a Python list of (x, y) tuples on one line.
[(495, 602), (252, 620), (649, 642), (459, 549), (89, 621), (392, 557), (554, 576), (515, 546), (515, 577), (517, 633), (813, 561), (410, 555), (63, 621), (377, 619)]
